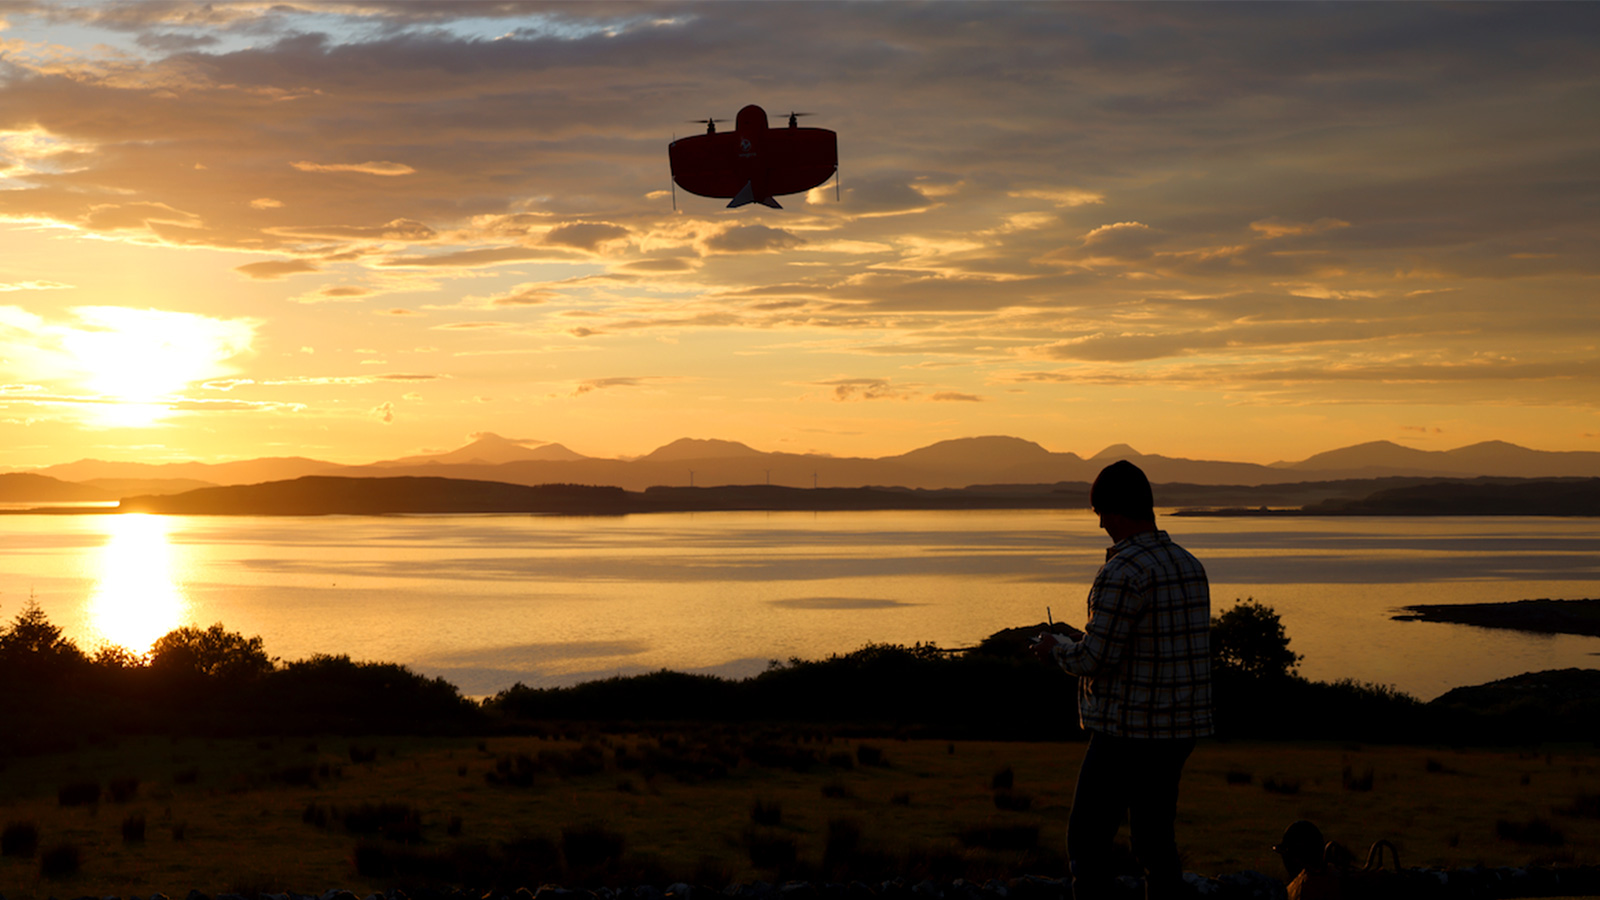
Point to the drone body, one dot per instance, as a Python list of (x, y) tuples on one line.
[(754, 163)]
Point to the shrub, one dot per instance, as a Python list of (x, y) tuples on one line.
[(19, 839), (1003, 779), (213, 652), (60, 861), (133, 829), (1235, 777), (1249, 639), (902, 798)]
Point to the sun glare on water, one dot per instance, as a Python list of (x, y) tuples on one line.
[(137, 595)]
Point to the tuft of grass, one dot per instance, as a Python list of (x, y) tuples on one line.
[(869, 755), (180, 830), (79, 793), (1535, 831), (60, 861), (1235, 776), (123, 789), (1000, 837), (186, 776), (1435, 767), (841, 760), (19, 839), (392, 821), (763, 812), (1584, 806), (1003, 780), (901, 798), (1013, 801), (360, 755), (1286, 786), (837, 790), (1354, 782), (133, 829), (590, 846), (771, 851)]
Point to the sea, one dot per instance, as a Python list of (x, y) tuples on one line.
[(490, 601)]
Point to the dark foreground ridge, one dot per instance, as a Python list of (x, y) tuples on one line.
[(1476, 883)]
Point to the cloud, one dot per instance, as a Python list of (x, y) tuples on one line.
[(6, 287), (955, 396), (386, 169), (751, 239), (589, 236), (850, 389), (1275, 228), (600, 384), (275, 269)]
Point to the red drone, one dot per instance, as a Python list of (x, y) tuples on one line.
[(754, 163)]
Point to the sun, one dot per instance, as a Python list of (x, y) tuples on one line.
[(135, 363)]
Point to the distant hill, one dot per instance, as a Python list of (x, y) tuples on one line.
[(1491, 458), (488, 449), (26, 487), (961, 462)]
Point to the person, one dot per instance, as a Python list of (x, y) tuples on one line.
[(1144, 689)]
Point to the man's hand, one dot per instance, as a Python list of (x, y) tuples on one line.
[(1043, 644)]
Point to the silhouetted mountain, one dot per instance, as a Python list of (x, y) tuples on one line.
[(323, 495), (695, 449), (1489, 458), (488, 448), (128, 487), (248, 471), (988, 460), (27, 487)]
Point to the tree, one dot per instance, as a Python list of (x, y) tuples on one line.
[(1249, 640), (34, 641), (212, 652)]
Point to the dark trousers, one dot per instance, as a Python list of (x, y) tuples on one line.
[(1134, 776)]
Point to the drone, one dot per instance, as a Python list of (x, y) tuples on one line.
[(753, 163)]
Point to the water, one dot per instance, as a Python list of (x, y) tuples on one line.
[(487, 601)]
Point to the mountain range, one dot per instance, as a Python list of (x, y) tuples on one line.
[(990, 460)]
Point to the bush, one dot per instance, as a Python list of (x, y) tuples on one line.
[(133, 829), (1249, 639), (764, 813)]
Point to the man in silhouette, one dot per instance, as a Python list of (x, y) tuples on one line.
[(1144, 689)]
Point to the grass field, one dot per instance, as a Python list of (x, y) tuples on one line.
[(289, 814)]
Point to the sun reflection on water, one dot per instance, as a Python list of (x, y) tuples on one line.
[(137, 598)]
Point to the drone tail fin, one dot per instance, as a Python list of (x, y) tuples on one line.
[(747, 195)]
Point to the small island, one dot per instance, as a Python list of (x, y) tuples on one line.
[(1543, 616)]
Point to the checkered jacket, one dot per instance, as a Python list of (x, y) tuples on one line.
[(1144, 663)]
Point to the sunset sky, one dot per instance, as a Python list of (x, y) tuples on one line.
[(357, 231)]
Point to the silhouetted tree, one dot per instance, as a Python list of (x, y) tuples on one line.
[(34, 642), (1249, 640), (211, 652)]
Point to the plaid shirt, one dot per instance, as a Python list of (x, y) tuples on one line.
[(1144, 663)]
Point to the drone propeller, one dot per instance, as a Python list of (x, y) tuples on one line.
[(710, 124), (793, 116)]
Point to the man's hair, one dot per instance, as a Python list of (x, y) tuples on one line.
[(1121, 488)]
